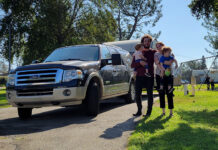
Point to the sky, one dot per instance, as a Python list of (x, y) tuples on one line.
[(181, 31)]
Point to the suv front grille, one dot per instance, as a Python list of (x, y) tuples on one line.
[(34, 92), (38, 77)]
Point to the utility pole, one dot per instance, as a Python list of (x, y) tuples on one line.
[(9, 47)]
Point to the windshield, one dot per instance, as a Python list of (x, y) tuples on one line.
[(84, 53)]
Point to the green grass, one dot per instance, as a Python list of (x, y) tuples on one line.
[(3, 101), (194, 125)]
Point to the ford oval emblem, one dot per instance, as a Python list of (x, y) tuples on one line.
[(35, 77)]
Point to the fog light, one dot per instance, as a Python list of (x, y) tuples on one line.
[(67, 92)]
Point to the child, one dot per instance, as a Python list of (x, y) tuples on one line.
[(139, 57), (166, 69)]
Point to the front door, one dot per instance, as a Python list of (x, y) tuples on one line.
[(106, 71)]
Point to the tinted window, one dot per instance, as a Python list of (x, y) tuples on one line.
[(85, 53), (105, 54)]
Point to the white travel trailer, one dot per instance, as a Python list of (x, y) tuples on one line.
[(129, 45), (200, 75)]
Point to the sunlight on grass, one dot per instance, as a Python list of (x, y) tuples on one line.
[(193, 126), (3, 101)]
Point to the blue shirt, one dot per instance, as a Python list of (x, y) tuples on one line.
[(162, 59)]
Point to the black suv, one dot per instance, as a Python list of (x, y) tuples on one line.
[(82, 74)]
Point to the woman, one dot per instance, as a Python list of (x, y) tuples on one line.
[(157, 57)]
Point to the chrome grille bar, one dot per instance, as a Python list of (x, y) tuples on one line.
[(38, 77)]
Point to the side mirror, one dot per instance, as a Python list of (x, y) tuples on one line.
[(35, 61), (116, 59)]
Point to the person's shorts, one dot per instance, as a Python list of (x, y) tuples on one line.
[(138, 60)]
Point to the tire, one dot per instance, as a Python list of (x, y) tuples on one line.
[(24, 113), (130, 97), (92, 99)]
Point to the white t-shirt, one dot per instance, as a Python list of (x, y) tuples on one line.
[(158, 55), (137, 55)]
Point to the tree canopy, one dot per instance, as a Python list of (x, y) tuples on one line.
[(208, 10), (38, 27)]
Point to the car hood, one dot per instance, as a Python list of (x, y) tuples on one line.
[(61, 65)]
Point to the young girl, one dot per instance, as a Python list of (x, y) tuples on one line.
[(139, 57)]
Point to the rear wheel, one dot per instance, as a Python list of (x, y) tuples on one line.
[(24, 113), (92, 99), (130, 97)]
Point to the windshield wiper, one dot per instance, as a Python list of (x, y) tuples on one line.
[(71, 59)]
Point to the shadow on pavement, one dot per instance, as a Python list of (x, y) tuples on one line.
[(57, 118), (117, 130)]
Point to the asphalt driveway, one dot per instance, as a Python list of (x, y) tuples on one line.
[(55, 128)]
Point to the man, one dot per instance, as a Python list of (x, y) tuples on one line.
[(141, 79)]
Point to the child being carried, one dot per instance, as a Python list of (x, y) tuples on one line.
[(139, 57), (166, 69)]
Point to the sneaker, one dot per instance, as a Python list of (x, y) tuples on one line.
[(171, 90), (147, 75), (171, 115)]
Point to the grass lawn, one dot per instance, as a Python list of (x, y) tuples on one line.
[(3, 101), (194, 125)]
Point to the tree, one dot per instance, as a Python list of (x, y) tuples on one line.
[(208, 10), (133, 15), (203, 63), (3, 66), (42, 26), (204, 8)]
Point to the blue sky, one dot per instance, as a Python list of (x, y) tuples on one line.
[(181, 31)]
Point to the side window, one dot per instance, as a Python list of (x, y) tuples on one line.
[(105, 53)]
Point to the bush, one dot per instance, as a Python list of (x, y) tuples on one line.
[(3, 80)]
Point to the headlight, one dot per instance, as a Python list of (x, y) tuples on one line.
[(72, 74), (11, 79)]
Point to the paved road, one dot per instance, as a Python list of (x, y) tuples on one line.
[(55, 128)]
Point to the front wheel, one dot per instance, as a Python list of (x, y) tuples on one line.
[(130, 97), (24, 113), (92, 100)]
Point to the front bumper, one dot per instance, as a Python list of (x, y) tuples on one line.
[(57, 98)]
